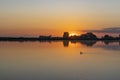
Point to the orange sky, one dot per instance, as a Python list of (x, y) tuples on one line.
[(53, 17)]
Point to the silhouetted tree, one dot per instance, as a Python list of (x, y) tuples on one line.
[(74, 37), (66, 35), (107, 37), (88, 36)]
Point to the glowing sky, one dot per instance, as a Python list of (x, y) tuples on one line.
[(34, 17)]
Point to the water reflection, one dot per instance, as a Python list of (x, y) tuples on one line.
[(106, 44), (85, 42), (91, 43), (66, 43), (51, 60)]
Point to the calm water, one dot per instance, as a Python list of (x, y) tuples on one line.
[(61, 60)]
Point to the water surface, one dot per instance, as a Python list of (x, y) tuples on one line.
[(60, 60)]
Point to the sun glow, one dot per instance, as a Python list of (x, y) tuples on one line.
[(73, 34)]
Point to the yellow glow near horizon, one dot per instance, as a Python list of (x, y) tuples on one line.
[(73, 34), (77, 33)]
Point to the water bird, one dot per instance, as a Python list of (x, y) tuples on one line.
[(81, 52)]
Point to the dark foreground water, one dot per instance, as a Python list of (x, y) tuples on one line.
[(61, 60)]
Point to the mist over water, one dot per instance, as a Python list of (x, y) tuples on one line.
[(60, 60)]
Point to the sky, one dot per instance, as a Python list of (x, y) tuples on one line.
[(53, 17)]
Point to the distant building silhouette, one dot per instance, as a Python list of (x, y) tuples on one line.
[(66, 35)]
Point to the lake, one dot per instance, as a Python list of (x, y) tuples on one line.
[(60, 60)]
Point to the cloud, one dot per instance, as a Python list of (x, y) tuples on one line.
[(106, 30)]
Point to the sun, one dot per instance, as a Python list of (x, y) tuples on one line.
[(73, 34)]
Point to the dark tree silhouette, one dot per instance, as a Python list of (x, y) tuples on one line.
[(88, 36)]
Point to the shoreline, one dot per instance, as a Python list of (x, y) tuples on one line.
[(50, 39)]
